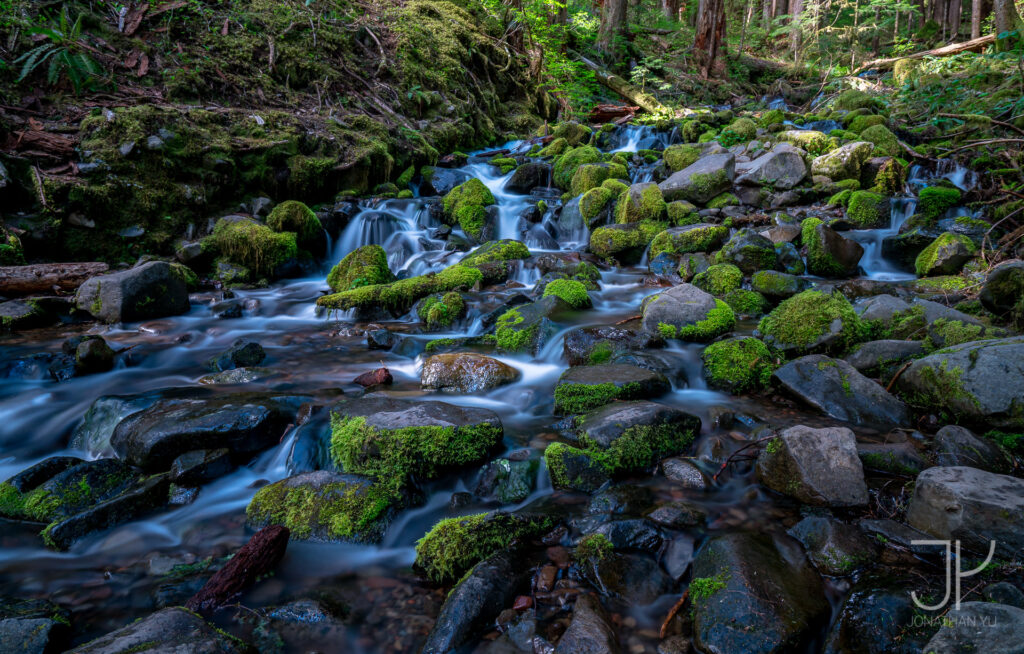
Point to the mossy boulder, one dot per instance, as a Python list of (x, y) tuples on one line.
[(582, 388), (1003, 292), (749, 251), (680, 156), (326, 506), (454, 545), (700, 237), (398, 297), (152, 290), (624, 243), (811, 141), (775, 284), (687, 313), (527, 327), (844, 162), (465, 372), (253, 245), (719, 279), (862, 122), (590, 176), (852, 99), (682, 213), (465, 205), (738, 365), (868, 210), (945, 256), (440, 311), (496, 251), (294, 216), (739, 131), (364, 266), (828, 253), (571, 292), (593, 202), (702, 180), (573, 132), (61, 487), (640, 202), (565, 166), (746, 303), (772, 117), (934, 201), (905, 70), (554, 148), (812, 321), (884, 140)]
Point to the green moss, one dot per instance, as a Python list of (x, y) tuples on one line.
[(853, 99), (441, 310), (405, 178), (934, 201), (555, 148), (943, 390), (252, 245), (565, 166), (705, 184), (637, 449), (465, 204), (724, 200), (867, 210), (698, 239), (512, 338), (772, 117), (804, 318), (1009, 441), (739, 131), (578, 398), (574, 133), (588, 176), (609, 242), (947, 333), (571, 292), (454, 545), (681, 213), (678, 157), (840, 199), (738, 365), (703, 588), (649, 205), (884, 140), (399, 296), (503, 250), (819, 261), (294, 216), (719, 279), (593, 547), (747, 303), (593, 201), (720, 320), (504, 164), (615, 186), (336, 510), (862, 122), (602, 352), (364, 266), (667, 331), (926, 260), (12, 501), (439, 344)]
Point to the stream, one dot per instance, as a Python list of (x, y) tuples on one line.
[(113, 577)]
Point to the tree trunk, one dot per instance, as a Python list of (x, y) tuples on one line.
[(954, 9), (766, 15), (747, 18), (796, 7), (709, 42), (876, 38), (853, 35), (613, 24), (1006, 20), (622, 87), (670, 9), (975, 45), (47, 277), (975, 19)]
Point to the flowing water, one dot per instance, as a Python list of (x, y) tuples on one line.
[(113, 577)]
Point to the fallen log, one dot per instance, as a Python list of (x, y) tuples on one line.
[(944, 51), (605, 113), (643, 100), (256, 558), (44, 277)]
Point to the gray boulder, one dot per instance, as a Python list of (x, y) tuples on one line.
[(152, 290), (844, 162), (815, 466), (465, 372), (679, 307), (833, 546), (876, 356), (582, 388), (1004, 288), (168, 631), (702, 180), (529, 176), (980, 627), (605, 425), (958, 446), (837, 389), (33, 626), (782, 168), (972, 506), (589, 631)]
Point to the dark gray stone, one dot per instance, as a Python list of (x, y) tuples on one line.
[(152, 290), (815, 466)]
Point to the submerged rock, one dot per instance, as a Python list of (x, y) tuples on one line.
[(465, 372), (586, 387), (815, 466), (242, 354)]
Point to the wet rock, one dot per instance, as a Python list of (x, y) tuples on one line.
[(474, 602), (33, 626), (685, 312), (980, 627), (607, 424), (981, 381), (782, 168), (529, 176), (623, 499), (243, 423), (586, 387), (377, 377), (834, 547), (299, 626), (789, 259), (68, 491), (242, 354), (749, 251), (140, 499), (465, 372), (702, 180), (200, 466), (165, 632), (778, 285), (632, 534), (35, 475), (106, 412), (830, 254), (835, 388), (325, 506), (958, 446), (1004, 287), (1003, 592), (678, 515), (761, 595), (152, 290), (589, 630), (237, 376), (439, 181), (678, 556), (971, 505), (629, 578), (878, 617), (897, 535), (685, 473), (16, 315), (506, 480), (380, 339), (883, 356), (815, 466), (93, 355), (880, 307), (895, 458), (593, 345), (527, 327), (844, 162)]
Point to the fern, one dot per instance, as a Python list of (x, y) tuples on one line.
[(66, 55)]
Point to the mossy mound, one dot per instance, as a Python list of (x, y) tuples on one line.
[(945, 255), (862, 122), (746, 303), (719, 320), (398, 297), (11, 252), (593, 202), (624, 243), (454, 545), (701, 237), (571, 292), (891, 178), (772, 117), (573, 132), (819, 260), (364, 266), (294, 216), (252, 245), (565, 166), (852, 99), (465, 205), (680, 156), (868, 210), (440, 311), (812, 321), (682, 213), (934, 201), (723, 200), (590, 176), (884, 140), (503, 250), (738, 365), (741, 130), (639, 203), (719, 279), (582, 388)]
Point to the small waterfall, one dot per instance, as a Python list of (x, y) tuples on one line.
[(874, 264), (632, 138)]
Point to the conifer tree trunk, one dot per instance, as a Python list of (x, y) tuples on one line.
[(796, 7), (975, 19), (709, 43), (613, 24), (1006, 20)]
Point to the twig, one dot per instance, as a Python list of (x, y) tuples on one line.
[(897, 376), (625, 320), (672, 612), (733, 455), (977, 143), (992, 120)]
